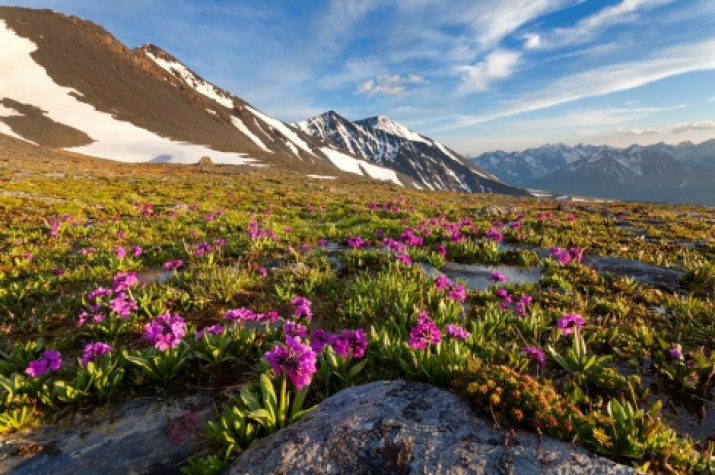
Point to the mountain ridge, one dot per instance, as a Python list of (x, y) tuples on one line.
[(386, 142), (659, 172)]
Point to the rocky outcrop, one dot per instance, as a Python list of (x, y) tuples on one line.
[(147, 436), (401, 427)]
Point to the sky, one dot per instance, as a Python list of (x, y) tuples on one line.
[(475, 75)]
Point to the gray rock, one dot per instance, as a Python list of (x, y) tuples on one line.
[(401, 427), (498, 211), (144, 436)]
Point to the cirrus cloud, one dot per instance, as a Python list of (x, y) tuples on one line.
[(390, 85)]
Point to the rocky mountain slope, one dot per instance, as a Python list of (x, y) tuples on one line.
[(385, 142), (69, 84), (659, 172)]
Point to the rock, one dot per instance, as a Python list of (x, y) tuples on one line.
[(401, 427), (205, 162), (498, 211), (148, 435)]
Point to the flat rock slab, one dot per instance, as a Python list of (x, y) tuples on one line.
[(144, 436), (400, 427)]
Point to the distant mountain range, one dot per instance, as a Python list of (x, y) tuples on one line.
[(381, 140), (683, 173)]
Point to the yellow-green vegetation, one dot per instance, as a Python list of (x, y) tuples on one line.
[(277, 291)]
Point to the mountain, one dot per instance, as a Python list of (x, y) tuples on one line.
[(67, 83), (388, 143), (683, 173)]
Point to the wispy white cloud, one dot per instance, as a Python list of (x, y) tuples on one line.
[(389, 85), (607, 79), (531, 41), (498, 64), (711, 99), (679, 128), (627, 11)]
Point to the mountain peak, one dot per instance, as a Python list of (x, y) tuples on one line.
[(384, 123)]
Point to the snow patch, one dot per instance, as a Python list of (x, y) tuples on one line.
[(323, 177), (199, 85), (27, 82), (389, 125), (344, 162), (283, 129), (238, 123), (353, 165)]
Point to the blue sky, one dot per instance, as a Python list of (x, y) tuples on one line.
[(476, 75)]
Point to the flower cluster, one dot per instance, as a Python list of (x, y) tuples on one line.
[(94, 351), (295, 359), (165, 331), (457, 332), (301, 308), (242, 314), (565, 256), (535, 354), (349, 343), (172, 265), (50, 360), (570, 321), (210, 330), (426, 333)]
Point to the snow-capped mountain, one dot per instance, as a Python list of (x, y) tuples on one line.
[(68, 83), (385, 142), (660, 172)]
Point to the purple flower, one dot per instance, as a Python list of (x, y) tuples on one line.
[(295, 359), (494, 235), (318, 339), (503, 294), (535, 354), (497, 277), (301, 306), (675, 353), (124, 281), (36, 368), (136, 251), (270, 317), (94, 351), (442, 282), (171, 265), (576, 254), (356, 242), (202, 249), (424, 334), (404, 258), (295, 330), (120, 252), (568, 322), (122, 305), (441, 249), (50, 360), (458, 293), (165, 331), (262, 271), (212, 330), (457, 332), (98, 292), (322, 242), (349, 343), (240, 315)]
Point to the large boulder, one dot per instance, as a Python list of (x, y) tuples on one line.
[(148, 436), (401, 427)]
